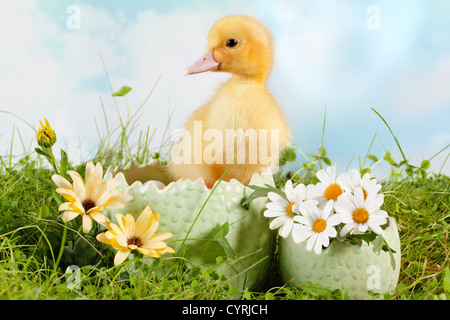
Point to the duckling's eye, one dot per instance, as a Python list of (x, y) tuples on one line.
[(231, 43)]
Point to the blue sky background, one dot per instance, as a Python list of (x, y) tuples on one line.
[(326, 56)]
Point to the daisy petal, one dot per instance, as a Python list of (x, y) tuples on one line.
[(311, 242), (273, 213), (299, 193), (121, 255), (375, 228), (278, 222), (69, 215), (89, 170), (130, 226), (303, 220), (347, 228), (334, 220), (286, 228), (331, 232), (78, 185), (99, 171), (300, 234), (359, 198), (160, 236), (87, 223), (143, 221), (276, 207), (68, 194), (288, 190), (61, 182), (277, 198), (102, 238)]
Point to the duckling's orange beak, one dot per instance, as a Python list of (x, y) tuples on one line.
[(206, 63)]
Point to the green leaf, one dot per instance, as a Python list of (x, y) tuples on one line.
[(57, 198), (64, 162), (229, 252), (327, 161), (219, 234), (446, 281), (43, 153), (387, 157), (368, 237), (391, 254), (289, 154), (246, 295), (43, 211), (261, 192), (122, 92), (221, 231), (372, 157), (269, 296), (378, 244), (219, 260), (419, 194), (425, 165), (84, 253), (322, 152)]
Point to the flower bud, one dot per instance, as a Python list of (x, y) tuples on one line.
[(46, 137)]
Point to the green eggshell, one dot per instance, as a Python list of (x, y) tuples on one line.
[(354, 269), (178, 205)]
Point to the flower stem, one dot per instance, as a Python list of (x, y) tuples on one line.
[(128, 109), (61, 248), (52, 160)]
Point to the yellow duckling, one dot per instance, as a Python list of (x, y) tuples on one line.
[(242, 121)]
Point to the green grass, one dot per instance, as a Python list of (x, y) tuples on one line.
[(36, 247)]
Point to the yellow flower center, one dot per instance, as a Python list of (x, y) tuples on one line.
[(319, 225), (87, 205), (360, 215), (134, 241), (333, 192), (289, 209)]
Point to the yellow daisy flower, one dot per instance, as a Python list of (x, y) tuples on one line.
[(89, 198), (136, 235)]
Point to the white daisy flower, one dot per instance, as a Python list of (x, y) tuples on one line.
[(316, 225), (359, 213), (330, 186), (282, 210), (369, 186)]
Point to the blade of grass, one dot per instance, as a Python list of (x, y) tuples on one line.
[(439, 152), (442, 167), (203, 207), (395, 138), (11, 148), (323, 134), (367, 154)]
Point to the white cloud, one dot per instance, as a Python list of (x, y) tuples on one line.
[(46, 69), (423, 91)]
